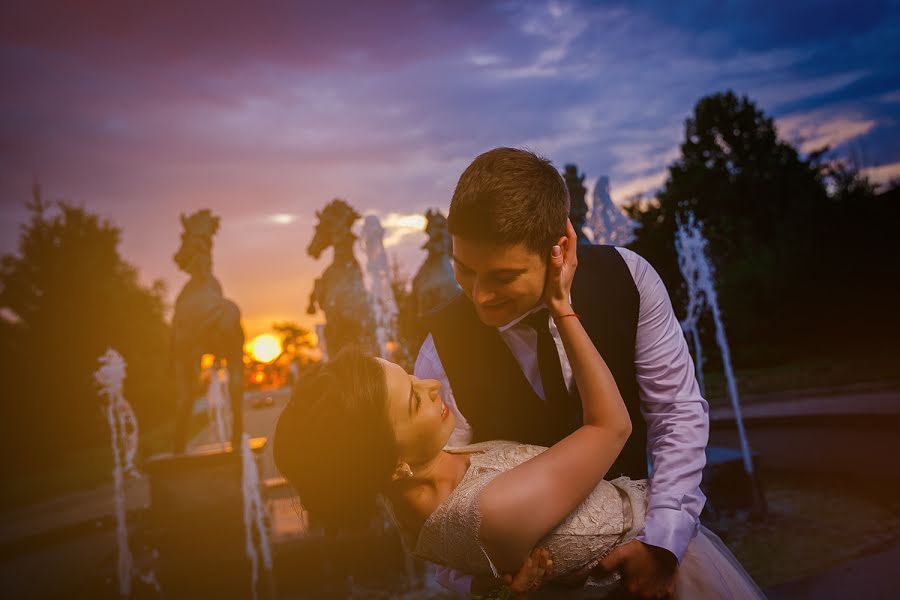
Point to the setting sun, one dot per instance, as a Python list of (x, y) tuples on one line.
[(265, 347)]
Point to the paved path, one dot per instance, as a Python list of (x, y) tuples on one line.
[(877, 398), (872, 577), (848, 432)]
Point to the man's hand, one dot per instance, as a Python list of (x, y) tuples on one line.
[(647, 571), (531, 575)]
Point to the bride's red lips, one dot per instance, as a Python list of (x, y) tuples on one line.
[(445, 411)]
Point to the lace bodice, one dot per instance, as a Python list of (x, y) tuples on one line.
[(610, 516)]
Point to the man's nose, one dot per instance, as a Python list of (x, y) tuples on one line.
[(481, 294)]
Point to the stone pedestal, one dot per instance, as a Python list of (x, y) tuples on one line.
[(196, 523)]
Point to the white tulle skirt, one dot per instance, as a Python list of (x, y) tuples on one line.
[(708, 571)]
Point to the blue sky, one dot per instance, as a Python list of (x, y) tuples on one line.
[(264, 113)]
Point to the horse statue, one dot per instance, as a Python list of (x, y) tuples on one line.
[(340, 291), (205, 322), (434, 283)]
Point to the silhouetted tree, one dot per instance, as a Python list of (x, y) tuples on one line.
[(778, 223), (293, 336), (65, 297), (578, 208)]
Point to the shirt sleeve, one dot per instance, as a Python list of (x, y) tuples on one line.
[(676, 414), (428, 366), (453, 580)]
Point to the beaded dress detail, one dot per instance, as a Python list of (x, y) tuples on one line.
[(611, 515)]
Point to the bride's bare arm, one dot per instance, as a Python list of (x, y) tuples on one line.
[(524, 504)]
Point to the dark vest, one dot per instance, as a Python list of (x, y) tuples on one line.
[(494, 395)]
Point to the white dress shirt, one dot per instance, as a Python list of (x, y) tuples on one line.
[(675, 412)]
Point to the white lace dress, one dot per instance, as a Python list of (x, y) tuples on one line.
[(613, 514)]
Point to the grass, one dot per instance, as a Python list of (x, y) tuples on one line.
[(812, 526), (81, 470), (76, 471)]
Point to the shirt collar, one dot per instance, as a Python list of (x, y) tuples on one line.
[(540, 305), (517, 320)]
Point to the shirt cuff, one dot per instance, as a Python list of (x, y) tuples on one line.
[(669, 528)]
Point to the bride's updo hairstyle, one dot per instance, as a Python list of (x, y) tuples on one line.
[(334, 442)]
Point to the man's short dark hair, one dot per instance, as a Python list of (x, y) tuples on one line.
[(510, 196)]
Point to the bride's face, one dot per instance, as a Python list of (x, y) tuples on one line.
[(422, 422)]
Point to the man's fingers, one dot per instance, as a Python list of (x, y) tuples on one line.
[(570, 233), (612, 562)]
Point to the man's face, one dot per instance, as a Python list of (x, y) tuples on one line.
[(502, 281)]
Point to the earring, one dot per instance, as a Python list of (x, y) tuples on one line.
[(407, 472)]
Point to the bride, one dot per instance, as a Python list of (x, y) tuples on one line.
[(362, 428)]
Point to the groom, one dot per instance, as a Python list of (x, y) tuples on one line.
[(505, 374)]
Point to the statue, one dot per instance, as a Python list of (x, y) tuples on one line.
[(434, 283), (608, 224), (205, 322), (381, 295), (340, 291), (577, 206)]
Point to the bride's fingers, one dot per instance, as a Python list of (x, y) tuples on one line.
[(570, 257), (556, 256), (556, 264)]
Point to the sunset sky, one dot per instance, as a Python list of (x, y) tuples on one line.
[(263, 112)]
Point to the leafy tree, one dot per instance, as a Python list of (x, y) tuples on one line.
[(65, 297), (773, 219), (293, 336)]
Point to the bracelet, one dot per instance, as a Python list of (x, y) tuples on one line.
[(576, 315)]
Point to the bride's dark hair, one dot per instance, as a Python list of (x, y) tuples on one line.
[(334, 442)]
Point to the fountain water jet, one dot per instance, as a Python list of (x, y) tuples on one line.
[(607, 223), (123, 431), (381, 296), (695, 294), (699, 274), (217, 400), (254, 513)]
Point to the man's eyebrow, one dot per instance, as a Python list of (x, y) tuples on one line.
[(459, 262), (410, 397), (494, 272)]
